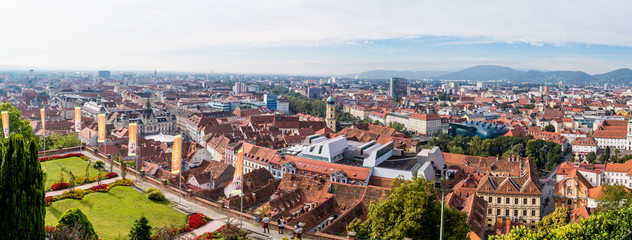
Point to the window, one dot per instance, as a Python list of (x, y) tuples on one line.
[(507, 200), (498, 199), (516, 201), (489, 211), (507, 212), (497, 211), (524, 201), (533, 213), (533, 201), (515, 213), (524, 212), (490, 200)]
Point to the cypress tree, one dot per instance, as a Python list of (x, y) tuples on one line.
[(22, 202)]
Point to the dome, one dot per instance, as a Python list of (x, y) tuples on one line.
[(331, 100)]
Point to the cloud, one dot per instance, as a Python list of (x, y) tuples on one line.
[(116, 32)]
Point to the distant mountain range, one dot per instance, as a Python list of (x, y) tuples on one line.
[(387, 74), (490, 72)]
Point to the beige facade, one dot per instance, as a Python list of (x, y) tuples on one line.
[(424, 124), (520, 208)]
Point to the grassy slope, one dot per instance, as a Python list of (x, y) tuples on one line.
[(76, 165), (112, 214)]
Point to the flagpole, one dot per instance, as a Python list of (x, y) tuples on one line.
[(180, 184), (241, 208)]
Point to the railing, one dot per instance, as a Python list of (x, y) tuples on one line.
[(60, 151)]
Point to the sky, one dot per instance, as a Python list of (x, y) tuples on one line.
[(315, 37)]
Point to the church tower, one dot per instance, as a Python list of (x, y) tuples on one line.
[(330, 119)]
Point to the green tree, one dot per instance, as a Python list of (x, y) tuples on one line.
[(549, 128), (411, 210), (613, 198), (22, 203), (399, 127), (17, 125), (591, 157), (546, 155), (557, 218), (55, 140), (141, 230), (601, 225), (75, 217), (443, 96)]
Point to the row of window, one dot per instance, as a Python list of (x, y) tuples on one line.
[(515, 213), (508, 200)]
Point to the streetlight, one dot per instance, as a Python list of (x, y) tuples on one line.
[(441, 185)]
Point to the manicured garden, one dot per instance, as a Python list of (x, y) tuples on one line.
[(76, 165), (113, 213)]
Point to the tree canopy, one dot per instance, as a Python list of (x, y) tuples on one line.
[(557, 218), (411, 210), (55, 140), (602, 225), (75, 218), (545, 154), (22, 203), (16, 124), (141, 230)]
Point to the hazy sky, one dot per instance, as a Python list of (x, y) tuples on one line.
[(315, 37)]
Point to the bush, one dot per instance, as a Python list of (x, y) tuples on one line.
[(59, 186), (111, 175), (48, 158), (197, 220), (74, 217), (99, 187), (99, 164), (151, 189), (156, 196)]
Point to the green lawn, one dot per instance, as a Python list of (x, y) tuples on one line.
[(76, 165), (113, 213)]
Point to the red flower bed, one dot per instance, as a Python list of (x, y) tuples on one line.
[(99, 187), (197, 220), (67, 155), (50, 229), (59, 186), (205, 236), (49, 199), (111, 175)]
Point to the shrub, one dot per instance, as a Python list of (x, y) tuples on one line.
[(111, 175), (151, 189), (59, 186), (74, 217), (197, 220), (206, 236), (156, 196), (76, 194), (99, 187), (48, 158), (124, 182), (99, 164)]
